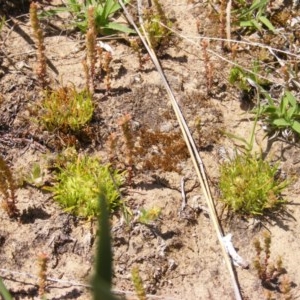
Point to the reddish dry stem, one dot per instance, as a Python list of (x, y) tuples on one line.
[(41, 69), (42, 261)]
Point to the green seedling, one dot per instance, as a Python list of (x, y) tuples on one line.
[(284, 117), (138, 284), (249, 186), (147, 216), (35, 175), (79, 182), (254, 17), (242, 78), (66, 109), (104, 11), (2, 22)]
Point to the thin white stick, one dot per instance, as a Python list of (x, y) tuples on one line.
[(229, 61), (237, 259), (245, 42)]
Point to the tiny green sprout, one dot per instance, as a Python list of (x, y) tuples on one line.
[(138, 283), (148, 216), (79, 183), (249, 187), (35, 176), (241, 77), (2, 22)]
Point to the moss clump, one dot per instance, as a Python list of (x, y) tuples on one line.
[(80, 182), (249, 185), (66, 109)]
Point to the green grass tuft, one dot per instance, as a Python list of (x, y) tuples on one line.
[(249, 185), (66, 109), (79, 183)]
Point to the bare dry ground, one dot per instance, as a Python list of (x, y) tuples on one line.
[(178, 255)]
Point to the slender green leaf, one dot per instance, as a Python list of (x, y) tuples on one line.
[(283, 106), (4, 291), (291, 111), (269, 109), (296, 126), (267, 23), (246, 23), (110, 7), (236, 137), (256, 24), (281, 123), (102, 280), (102, 291), (119, 27), (258, 4), (291, 99), (100, 19)]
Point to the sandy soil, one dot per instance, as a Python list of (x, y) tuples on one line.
[(178, 255)]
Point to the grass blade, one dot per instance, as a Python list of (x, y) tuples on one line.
[(4, 291), (103, 277)]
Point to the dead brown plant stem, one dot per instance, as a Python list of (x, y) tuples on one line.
[(136, 46), (125, 123), (8, 189), (222, 22), (42, 262), (228, 23), (86, 74), (112, 145), (41, 69), (91, 51), (107, 58), (208, 66)]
